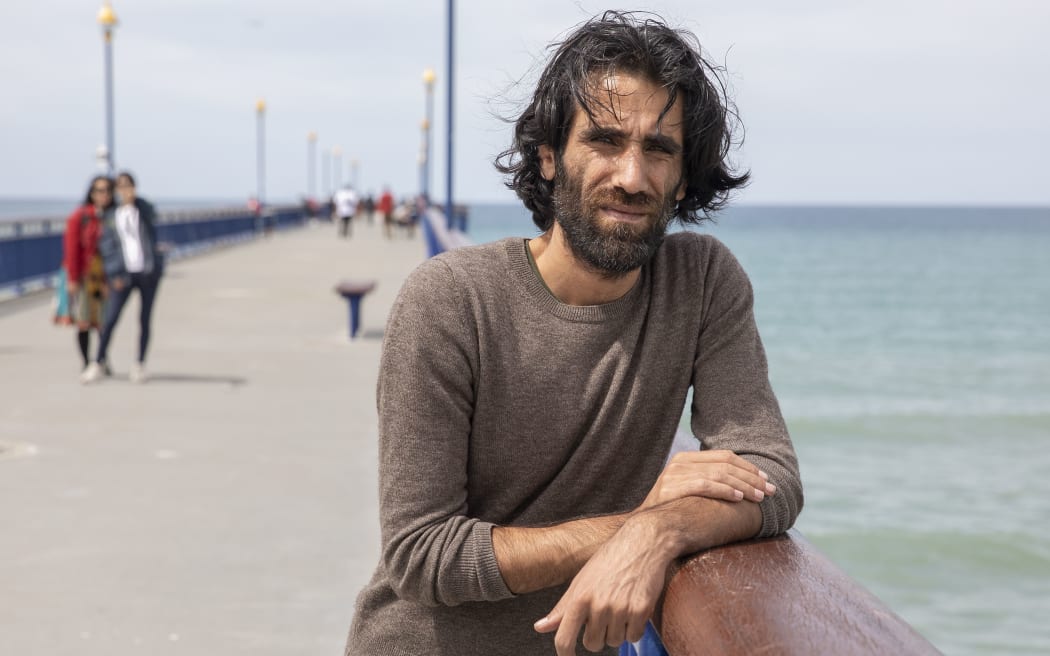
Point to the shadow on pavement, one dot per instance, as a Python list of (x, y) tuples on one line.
[(190, 378)]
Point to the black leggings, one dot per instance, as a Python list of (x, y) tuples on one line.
[(147, 285)]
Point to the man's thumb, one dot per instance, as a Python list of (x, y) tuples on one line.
[(549, 623)]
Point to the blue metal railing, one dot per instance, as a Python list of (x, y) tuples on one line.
[(31, 250), (442, 235)]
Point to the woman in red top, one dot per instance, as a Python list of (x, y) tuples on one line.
[(85, 280)]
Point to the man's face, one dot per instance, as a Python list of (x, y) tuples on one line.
[(619, 178)]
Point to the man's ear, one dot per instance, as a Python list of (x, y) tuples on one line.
[(547, 167)]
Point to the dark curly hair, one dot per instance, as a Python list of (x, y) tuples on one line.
[(640, 44), (88, 200)]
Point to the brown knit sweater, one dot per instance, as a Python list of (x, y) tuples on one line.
[(500, 405)]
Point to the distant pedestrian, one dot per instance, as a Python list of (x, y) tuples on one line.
[(386, 209), (85, 279), (369, 208), (132, 260), (345, 208)]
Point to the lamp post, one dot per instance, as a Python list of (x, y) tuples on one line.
[(353, 172), (337, 166), (326, 173), (449, 206), (107, 18), (260, 151), (311, 163), (428, 84)]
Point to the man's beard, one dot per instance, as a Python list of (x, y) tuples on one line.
[(610, 251)]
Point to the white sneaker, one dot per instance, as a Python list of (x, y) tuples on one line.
[(137, 374), (92, 374)]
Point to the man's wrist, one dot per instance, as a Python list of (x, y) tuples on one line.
[(656, 526)]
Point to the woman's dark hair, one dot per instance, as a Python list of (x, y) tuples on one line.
[(109, 182), (127, 174), (643, 45)]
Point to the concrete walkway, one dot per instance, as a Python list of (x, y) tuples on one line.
[(228, 506)]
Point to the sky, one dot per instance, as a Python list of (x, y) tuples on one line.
[(897, 102)]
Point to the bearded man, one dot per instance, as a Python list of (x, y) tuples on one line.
[(530, 389)]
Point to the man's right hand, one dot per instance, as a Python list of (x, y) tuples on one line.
[(73, 287), (712, 474), (117, 283)]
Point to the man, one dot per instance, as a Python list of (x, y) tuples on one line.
[(345, 206), (530, 390)]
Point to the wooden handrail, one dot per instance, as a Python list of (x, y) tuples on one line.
[(777, 596)]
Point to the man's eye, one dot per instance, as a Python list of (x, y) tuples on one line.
[(603, 139)]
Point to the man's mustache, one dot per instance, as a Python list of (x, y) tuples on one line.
[(617, 196)]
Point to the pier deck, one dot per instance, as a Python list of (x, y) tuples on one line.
[(228, 506)]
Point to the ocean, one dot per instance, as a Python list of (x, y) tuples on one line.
[(16, 208), (910, 351)]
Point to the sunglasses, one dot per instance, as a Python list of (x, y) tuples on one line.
[(100, 190)]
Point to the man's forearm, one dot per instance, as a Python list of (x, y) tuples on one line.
[(692, 524), (531, 559)]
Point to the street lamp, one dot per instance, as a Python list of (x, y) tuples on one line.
[(353, 172), (337, 167), (311, 162), (428, 84), (449, 205), (107, 19), (260, 151), (326, 172)]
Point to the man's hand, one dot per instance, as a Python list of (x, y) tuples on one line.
[(118, 284), (712, 474), (615, 593), (72, 286)]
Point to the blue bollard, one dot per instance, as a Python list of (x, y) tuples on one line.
[(353, 291)]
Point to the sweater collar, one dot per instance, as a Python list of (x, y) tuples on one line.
[(536, 290)]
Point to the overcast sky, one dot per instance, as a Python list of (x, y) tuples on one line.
[(889, 102)]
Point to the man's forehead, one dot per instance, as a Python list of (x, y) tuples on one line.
[(614, 97)]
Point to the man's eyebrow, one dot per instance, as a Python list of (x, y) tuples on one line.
[(662, 141), (601, 131)]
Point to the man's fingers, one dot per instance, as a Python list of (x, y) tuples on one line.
[(594, 631), (565, 638), (635, 630), (615, 634)]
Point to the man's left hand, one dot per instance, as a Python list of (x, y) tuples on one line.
[(615, 593)]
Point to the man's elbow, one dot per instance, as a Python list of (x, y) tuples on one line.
[(779, 511), (410, 574)]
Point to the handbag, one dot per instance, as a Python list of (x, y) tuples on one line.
[(61, 310)]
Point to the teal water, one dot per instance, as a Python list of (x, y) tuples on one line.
[(910, 351)]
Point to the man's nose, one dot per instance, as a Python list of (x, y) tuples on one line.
[(630, 172)]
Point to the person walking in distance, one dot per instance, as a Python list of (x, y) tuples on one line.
[(85, 278), (345, 200), (132, 260), (386, 209)]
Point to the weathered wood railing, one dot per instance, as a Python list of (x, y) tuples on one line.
[(778, 596)]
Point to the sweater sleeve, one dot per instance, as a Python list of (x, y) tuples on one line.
[(433, 552), (733, 403)]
